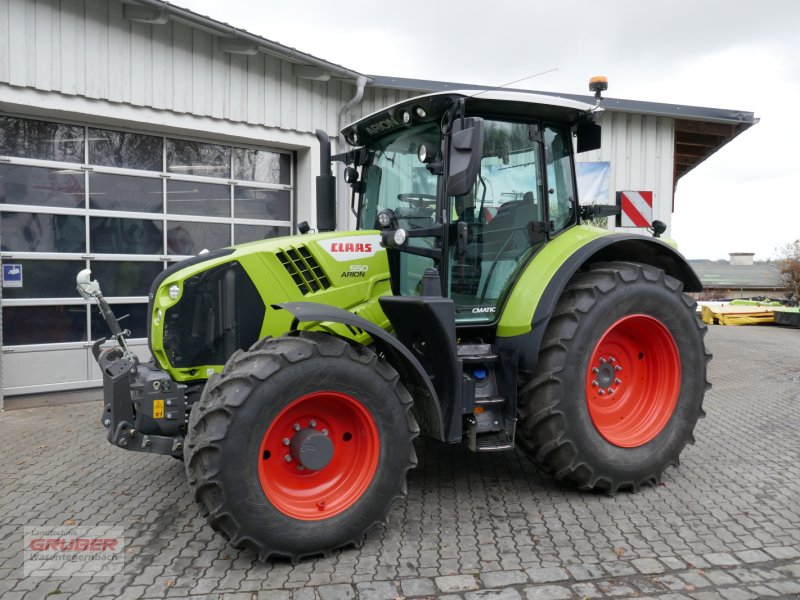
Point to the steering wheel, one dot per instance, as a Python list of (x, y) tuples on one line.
[(418, 200)]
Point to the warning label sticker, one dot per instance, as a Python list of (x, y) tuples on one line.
[(158, 409)]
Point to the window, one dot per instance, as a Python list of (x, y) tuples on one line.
[(125, 193), (196, 158), (40, 232), (202, 199), (39, 186), (125, 150), (261, 165), (560, 191), (254, 203), (41, 140)]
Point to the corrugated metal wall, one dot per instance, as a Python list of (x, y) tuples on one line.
[(641, 150), (86, 48)]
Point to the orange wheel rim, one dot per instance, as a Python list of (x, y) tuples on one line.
[(337, 432), (633, 380)]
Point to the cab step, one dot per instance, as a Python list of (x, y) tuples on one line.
[(489, 441), (489, 401), (476, 353)]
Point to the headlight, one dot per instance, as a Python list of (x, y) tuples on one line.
[(158, 317), (385, 217), (174, 292), (400, 237), (426, 153)]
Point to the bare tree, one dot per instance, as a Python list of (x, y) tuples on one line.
[(789, 266)]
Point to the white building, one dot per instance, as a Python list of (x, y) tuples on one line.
[(136, 134)]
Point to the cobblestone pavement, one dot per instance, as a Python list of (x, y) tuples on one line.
[(726, 524)]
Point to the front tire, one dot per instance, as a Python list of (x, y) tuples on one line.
[(300, 446), (620, 379)]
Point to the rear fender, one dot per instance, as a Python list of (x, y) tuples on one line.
[(602, 248), (411, 372)]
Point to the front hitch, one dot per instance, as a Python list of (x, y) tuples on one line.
[(143, 408)]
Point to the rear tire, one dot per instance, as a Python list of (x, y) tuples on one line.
[(620, 379), (347, 419)]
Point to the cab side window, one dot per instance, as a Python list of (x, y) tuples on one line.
[(560, 191)]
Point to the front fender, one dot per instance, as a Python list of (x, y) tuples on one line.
[(411, 372)]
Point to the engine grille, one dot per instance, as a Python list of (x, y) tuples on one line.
[(304, 270)]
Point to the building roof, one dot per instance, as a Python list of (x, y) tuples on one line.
[(723, 275), (238, 41), (699, 131)]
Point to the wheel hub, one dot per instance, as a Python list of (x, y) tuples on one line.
[(606, 375), (311, 448)]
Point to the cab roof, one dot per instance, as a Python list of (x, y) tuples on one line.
[(486, 103)]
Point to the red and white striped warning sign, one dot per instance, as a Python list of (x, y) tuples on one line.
[(637, 209)]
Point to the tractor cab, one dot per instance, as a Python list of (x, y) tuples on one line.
[(471, 186), (465, 190)]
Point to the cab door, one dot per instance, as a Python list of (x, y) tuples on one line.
[(500, 223)]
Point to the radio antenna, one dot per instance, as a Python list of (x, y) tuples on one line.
[(497, 87)]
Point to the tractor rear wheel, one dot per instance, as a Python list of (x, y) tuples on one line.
[(300, 445), (620, 379)]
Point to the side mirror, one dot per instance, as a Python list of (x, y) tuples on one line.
[(588, 133), (466, 146)]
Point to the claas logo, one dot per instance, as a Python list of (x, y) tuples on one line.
[(351, 247)]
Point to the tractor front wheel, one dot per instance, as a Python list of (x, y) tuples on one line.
[(620, 380), (300, 446)]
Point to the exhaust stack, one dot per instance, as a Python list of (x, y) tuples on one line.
[(326, 186)]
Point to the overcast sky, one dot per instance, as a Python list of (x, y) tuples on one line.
[(714, 53)]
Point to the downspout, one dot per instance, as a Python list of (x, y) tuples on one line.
[(343, 214)]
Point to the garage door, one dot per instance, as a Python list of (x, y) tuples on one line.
[(126, 205)]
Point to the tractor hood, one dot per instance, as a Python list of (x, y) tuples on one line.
[(205, 308)]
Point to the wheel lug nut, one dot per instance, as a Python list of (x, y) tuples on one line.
[(618, 381), (324, 432), (612, 359), (288, 457), (296, 427), (312, 423), (603, 361), (301, 468), (595, 370), (286, 441), (618, 368), (601, 392), (594, 383), (610, 390)]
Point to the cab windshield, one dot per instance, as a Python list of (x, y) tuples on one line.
[(522, 196), (396, 179)]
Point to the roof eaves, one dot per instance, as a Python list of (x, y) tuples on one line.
[(221, 29)]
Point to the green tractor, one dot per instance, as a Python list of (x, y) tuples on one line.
[(470, 305)]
